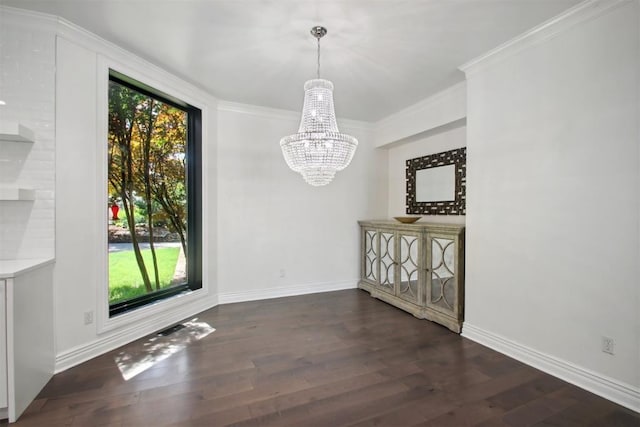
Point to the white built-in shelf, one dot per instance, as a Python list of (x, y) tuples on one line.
[(17, 193), (14, 131)]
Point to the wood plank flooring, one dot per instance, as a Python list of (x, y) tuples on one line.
[(331, 359)]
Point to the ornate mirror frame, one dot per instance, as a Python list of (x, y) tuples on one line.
[(457, 157)]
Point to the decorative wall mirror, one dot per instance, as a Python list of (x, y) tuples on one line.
[(436, 184)]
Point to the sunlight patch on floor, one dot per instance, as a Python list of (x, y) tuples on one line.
[(134, 361)]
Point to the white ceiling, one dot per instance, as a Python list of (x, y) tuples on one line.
[(382, 55)]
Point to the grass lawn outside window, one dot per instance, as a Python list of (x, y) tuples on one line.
[(125, 281)]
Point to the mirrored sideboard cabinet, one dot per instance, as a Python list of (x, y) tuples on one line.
[(416, 267)]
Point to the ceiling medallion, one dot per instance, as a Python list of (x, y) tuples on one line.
[(318, 150)]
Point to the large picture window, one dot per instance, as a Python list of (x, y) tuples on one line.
[(154, 182)]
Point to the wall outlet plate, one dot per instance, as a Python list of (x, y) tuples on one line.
[(607, 345), (88, 317)]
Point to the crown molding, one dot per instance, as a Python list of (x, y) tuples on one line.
[(93, 42), (280, 114), (27, 18), (257, 110), (79, 35), (186, 89), (420, 106), (428, 133), (18, 12), (441, 109), (580, 13)]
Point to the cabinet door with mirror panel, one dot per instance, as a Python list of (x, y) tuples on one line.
[(443, 290), (416, 267), (409, 267), (370, 259), (387, 261)]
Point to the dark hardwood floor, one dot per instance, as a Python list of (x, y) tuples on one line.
[(330, 359)]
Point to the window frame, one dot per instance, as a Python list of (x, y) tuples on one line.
[(184, 304), (193, 151)]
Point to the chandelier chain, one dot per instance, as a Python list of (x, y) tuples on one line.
[(318, 72)]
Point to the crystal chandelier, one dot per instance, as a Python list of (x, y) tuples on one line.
[(318, 150)]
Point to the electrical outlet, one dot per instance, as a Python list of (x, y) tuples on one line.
[(607, 345), (282, 272), (88, 317)]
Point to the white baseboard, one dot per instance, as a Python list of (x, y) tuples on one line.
[(286, 291), (112, 340), (119, 337), (609, 388)]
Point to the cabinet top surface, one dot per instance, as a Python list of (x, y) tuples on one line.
[(415, 226), (10, 268)]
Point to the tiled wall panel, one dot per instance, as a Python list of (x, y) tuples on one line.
[(27, 86)]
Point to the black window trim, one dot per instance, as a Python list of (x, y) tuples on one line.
[(194, 198)]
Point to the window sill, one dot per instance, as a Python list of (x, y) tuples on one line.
[(153, 312)]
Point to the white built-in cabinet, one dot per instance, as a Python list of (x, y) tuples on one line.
[(26, 333), (416, 267)]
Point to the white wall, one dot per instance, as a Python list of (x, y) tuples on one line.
[(553, 165), (271, 220), (80, 275), (27, 64), (552, 262), (439, 110), (399, 154)]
